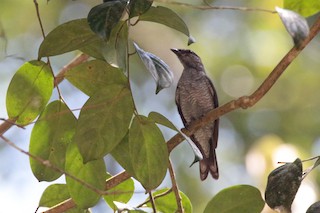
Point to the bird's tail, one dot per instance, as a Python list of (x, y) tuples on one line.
[(209, 165)]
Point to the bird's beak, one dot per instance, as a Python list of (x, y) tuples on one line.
[(175, 51)]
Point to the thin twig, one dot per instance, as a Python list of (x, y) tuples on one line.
[(39, 18), (156, 197), (209, 7), (175, 189), (151, 198)]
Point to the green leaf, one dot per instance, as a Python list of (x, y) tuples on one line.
[(103, 17), (50, 137), (29, 91), (94, 75), (54, 194), (104, 121), (166, 16), (168, 202), (70, 36), (160, 119), (95, 49), (116, 51), (148, 152), (121, 193), (303, 7), (240, 198), (92, 173), (121, 154), (138, 7)]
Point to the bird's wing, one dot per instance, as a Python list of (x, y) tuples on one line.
[(216, 104), (178, 103)]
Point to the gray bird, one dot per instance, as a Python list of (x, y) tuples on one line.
[(195, 96)]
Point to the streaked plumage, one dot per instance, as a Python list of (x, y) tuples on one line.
[(195, 96)]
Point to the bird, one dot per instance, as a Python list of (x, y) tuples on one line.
[(195, 96)]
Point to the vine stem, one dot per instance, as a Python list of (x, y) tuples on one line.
[(175, 188), (151, 198)]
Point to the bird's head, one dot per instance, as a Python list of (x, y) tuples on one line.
[(188, 58)]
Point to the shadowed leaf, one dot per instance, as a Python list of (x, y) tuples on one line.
[(50, 137), (138, 7), (94, 75), (92, 173), (148, 152), (104, 121), (70, 36), (103, 17)]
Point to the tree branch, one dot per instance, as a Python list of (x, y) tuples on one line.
[(243, 102)]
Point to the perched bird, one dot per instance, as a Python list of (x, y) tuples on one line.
[(195, 96)]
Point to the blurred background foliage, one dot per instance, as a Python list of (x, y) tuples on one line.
[(239, 49)]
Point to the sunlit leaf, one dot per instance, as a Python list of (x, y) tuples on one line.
[(303, 7), (70, 36), (92, 173), (168, 203), (160, 119), (29, 91), (50, 137), (166, 16), (159, 70), (94, 75), (104, 121), (138, 7), (103, 17), (148, 152), (54, 194), (121, 193), (283, 184), (295, 24), (235, 199), (115, 52)]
